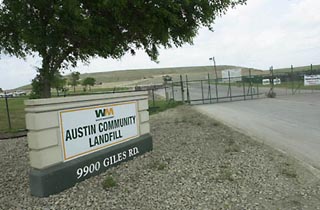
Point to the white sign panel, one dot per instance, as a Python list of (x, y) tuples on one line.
[(235, 75), (311, 80), (86, 130), (265, 81), (277, 81)]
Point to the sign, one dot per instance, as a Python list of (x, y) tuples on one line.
[(265, 81), (235, 75), (89, 129), (108, 161), (277, 81), (311, 80)]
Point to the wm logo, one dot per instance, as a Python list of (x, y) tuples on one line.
[(104, 112)]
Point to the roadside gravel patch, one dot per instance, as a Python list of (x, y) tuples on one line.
[(197, 163)]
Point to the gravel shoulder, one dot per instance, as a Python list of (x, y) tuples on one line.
[(197, 163)]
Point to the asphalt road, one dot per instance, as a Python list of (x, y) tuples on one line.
[(290, 123)]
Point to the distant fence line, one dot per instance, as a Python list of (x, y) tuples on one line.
[(209, 90)]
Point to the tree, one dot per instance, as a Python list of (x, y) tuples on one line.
[(36, 88), (89, 81), (74, 80), (63, 32), (59, 82)]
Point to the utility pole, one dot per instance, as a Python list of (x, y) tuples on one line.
[(271, 92)]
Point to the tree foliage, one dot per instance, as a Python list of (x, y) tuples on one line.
[(63, 32), (88, 81), (74, 80), (36, 88), (59, 82)]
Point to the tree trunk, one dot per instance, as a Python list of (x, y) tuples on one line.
[(46, 86), (45, 79)]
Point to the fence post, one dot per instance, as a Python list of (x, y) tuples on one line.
[(292, 81), (188, 93), (209, 87), (216, 81), (244, 89), (202, 92), (182, 90), (287, 84), (250, 83), (165, 91), (271, 92), (216, 84), (312, 87), (229, 90), (8, 114), (172, 90), (153, 99)]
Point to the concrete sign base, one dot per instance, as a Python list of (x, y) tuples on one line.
[(59, 177), (73, 138)]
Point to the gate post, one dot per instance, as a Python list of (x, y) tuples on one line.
[(165, 91), (244, 89), (188, 93), (172, 91), (229, 91), (292, 81), (209, 87), (250, 83), (182, 90), (202, 91), (7, 108)]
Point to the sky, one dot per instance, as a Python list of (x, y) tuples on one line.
[(263, 33)]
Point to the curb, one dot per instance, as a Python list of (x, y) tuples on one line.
[(5, 136)]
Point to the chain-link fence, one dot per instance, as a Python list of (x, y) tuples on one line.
[(12, 115), (196, 91), (233, 88)]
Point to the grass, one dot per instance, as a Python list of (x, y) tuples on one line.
[(17, 114), (129, 75), (297, 85), (287, 170), (109, 182), (300, 68), (162, 105), (226, 174), (284, 85), (232, 148), (94, 90), (147, 74), (158, 165)]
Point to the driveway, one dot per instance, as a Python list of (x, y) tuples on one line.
[(290, 124)]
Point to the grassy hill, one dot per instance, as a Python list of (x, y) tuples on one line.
[(154, 76), (139, 74), (299, 68)]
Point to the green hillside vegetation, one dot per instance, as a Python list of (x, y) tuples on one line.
[(138, 74), (299, 68), (154, 76)]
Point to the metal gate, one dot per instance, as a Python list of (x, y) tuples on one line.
[(228, 89)]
